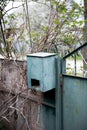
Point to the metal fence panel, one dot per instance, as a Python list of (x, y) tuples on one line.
[(74, 103)]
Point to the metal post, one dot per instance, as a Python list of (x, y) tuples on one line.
[(58, 94), (75, 63)]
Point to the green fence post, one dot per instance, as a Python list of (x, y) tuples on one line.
[(58, 94)]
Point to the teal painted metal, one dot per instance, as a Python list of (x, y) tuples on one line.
[(47, 72), (48, 116), (48, 112), (41, 71), (74, 98), (58, 93), (74, 103)]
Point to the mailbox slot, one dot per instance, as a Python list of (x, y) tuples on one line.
[(35, 83), (41, 71)]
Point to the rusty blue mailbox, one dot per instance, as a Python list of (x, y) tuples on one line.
[(41, 71)]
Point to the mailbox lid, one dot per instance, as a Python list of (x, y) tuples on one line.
[(41, 54)]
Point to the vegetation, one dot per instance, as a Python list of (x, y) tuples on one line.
[(62, 31)]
